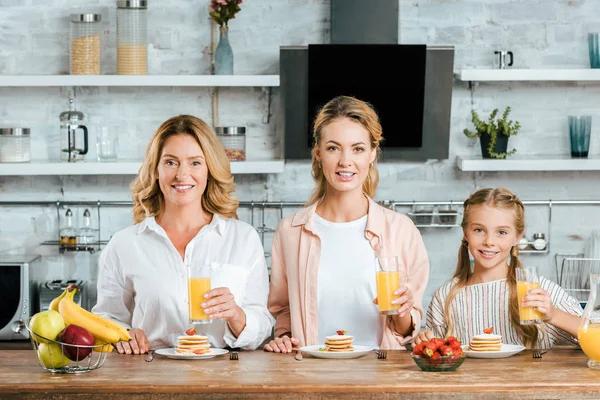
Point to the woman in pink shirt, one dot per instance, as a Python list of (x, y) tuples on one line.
[(322, 269)]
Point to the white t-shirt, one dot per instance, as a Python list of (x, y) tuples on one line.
[(346, 282)]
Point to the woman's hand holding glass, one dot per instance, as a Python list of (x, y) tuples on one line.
[(220, 304), (283, 344)]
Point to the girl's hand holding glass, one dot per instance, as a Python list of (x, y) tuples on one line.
[(541, 301)]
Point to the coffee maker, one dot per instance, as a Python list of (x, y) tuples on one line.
[(71, 149)]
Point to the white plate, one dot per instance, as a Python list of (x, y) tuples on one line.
[(507, 351), (171, 354), (314, 351)]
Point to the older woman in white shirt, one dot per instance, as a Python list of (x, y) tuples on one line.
[(184, 214)]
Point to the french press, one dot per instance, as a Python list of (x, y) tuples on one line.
[(70, 143)]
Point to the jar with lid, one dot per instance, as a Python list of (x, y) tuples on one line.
[(15, 145), (86, 31), (233, 139), (68, 234), (86, 233), (132, 33), (539, 241)]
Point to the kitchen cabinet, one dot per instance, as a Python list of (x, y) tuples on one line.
[(533, 162), (132, 167)]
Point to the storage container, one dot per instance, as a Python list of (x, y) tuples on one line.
[(15, 145), (233, 139), (132, 42), (86, 45)]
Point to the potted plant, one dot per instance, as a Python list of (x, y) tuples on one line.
[(493, 135)]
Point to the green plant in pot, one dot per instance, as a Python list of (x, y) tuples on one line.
[(493, 134)]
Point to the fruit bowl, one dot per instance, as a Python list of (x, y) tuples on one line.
[(445, 363), (51, 354)]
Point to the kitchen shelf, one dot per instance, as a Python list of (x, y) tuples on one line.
[(122, 168), (138, 80), (508, 74), (529, 163)]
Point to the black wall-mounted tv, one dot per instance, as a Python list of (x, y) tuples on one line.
[(410, 86), (389, 77)]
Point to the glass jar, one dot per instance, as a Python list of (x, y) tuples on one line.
[(539, 241), (233, 139), (132, 33), (589, 328), (86, 31), (15, 145)]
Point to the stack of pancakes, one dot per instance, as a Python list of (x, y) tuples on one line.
[(486, 343), (195, 344), (339, 343)]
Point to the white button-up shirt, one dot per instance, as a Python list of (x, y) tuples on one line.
[(142, 281)]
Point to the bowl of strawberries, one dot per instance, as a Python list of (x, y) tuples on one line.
[(438, 355)]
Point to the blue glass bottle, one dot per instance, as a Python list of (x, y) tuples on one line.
[(224, 53)]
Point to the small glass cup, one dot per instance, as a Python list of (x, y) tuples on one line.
[(107, 143), (594, 47), (388, 274), (580, 128), (198, 285), (528, 278)]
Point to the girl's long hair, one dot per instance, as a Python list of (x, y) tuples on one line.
[(358, 111), (506, 200), (148, 199)]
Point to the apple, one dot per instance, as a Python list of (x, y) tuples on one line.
[(51, 356), (75, 334), (46, 325)]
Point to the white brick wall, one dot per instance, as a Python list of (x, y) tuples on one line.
[(541, 33)]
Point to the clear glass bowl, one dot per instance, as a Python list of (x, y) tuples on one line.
[(446, 363), (50, 354)]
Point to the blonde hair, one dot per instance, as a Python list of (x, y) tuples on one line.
[(506, 200), (358, 111), (148, 199)]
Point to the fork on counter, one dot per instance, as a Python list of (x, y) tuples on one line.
[(381, 354), (150, 356), (537, 353), (233, 356)]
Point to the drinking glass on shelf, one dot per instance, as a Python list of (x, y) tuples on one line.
[(198, 285), (107, 142), (527, 278), (580, 128), (389, 273)]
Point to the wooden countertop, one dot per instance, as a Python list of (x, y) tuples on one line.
[(561, 374)]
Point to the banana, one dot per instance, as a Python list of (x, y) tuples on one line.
[(106, 348), (104, 330), (54, 304)]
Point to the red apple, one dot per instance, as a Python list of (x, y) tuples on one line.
[(79, 336)]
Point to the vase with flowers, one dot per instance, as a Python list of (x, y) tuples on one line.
[(221, 11)]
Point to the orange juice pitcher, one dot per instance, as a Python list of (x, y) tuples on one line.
[(589, 328), (198, 286)]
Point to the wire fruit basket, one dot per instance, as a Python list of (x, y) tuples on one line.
[(52, 354)]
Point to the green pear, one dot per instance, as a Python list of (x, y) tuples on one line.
[(46, 325), (51, 355)]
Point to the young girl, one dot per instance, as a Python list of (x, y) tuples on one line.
[(486, 295)]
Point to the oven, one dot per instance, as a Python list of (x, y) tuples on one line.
[(19, 294)]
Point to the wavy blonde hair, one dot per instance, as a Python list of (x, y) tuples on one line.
[(506, 200), (148, 199), (358, 111)]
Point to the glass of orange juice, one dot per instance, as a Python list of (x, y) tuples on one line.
[(528, 278), (388, 273), (198, 285)]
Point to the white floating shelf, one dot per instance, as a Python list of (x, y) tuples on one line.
[(531, 163), (122, 168), (138, 80), (529, 75)]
